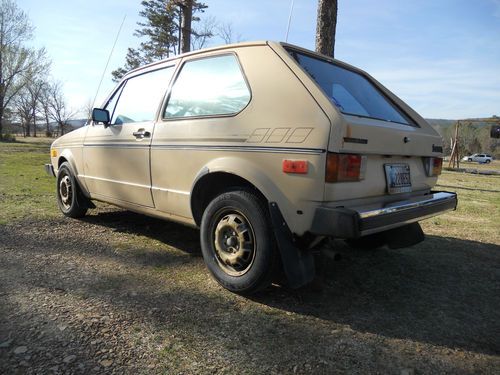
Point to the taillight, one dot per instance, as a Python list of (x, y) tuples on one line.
[(433, 166), (345, 167)]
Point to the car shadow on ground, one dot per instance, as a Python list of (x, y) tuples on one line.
[(182, 237), (444, 291)]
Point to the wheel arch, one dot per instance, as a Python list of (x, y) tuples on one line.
[(66, 156), (220, 175)]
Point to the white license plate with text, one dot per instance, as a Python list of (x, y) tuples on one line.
[(398, 178)]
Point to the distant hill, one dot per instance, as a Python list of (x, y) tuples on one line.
[(443, 126), (443, 123), (440, 123), (77, 123)]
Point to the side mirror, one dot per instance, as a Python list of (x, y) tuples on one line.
[(101, 115)]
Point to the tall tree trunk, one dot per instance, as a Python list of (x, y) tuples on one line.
[(187, 16), (34, 124), (179, 40), (325, 27), (47, 132), (2, 85), (1, 117)]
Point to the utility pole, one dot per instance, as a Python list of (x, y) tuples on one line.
[(455, 154), (455, 157)]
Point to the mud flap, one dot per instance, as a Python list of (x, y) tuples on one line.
[(405, 236), (297, 264)]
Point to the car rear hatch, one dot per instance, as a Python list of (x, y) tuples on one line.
[(379, 148)]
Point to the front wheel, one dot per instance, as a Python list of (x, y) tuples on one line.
[(238, 243), (488, 161), (70, 199), (470, 159)]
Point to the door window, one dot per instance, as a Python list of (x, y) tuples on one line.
[(211, 86), (140, 97)]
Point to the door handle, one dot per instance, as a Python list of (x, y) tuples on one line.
[(141, 133)]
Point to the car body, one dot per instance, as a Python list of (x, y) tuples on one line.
[(479, 158), (267, 147)]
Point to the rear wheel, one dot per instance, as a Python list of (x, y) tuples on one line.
[(238, 243), (70, 199), (488, 161)]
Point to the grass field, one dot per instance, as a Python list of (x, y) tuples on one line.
[(25, 188), (123, 293)]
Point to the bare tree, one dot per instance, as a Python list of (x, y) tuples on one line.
[(22, 105), (34, 90), (87, 109), (201, 35), (45, 108), (15, 59), (326, 25), (58, 109), (225, 31)]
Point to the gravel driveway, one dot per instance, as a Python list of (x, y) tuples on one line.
[(122, 293)]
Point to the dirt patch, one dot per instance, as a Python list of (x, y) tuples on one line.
[(122, 293)]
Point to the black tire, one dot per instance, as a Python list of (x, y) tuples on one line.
[(238, 243), (488, 161), (469, 159), (70, 198), (370, 242)]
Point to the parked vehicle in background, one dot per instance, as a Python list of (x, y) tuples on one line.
[(268, 148), (480, 158)]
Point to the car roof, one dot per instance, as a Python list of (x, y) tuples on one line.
[(198, 52), (239, 45)]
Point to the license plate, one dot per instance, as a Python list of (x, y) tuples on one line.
[(398, 178)]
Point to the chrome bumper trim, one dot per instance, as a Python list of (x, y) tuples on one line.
[(355, 222), (409, 204)]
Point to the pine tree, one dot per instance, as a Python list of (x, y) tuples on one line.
[(161, 28)]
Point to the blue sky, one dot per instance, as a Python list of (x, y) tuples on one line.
[(441, 56)]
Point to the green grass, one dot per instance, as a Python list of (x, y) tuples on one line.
[(478, 214), (25, 189)]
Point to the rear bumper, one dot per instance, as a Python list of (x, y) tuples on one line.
[(360, 221), (49, 169)]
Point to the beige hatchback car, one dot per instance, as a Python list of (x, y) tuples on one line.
[(268, 148)]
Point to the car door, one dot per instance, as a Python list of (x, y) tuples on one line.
[(205, 98), (116, 156)]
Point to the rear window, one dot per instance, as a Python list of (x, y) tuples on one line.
[(350, 92)]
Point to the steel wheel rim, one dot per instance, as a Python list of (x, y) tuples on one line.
[(234, 242), (66, 191)]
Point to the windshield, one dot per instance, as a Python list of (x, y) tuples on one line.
[(352, 93)]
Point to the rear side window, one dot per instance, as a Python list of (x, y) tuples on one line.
[(139, 98), (351, 92), (212, 86)]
